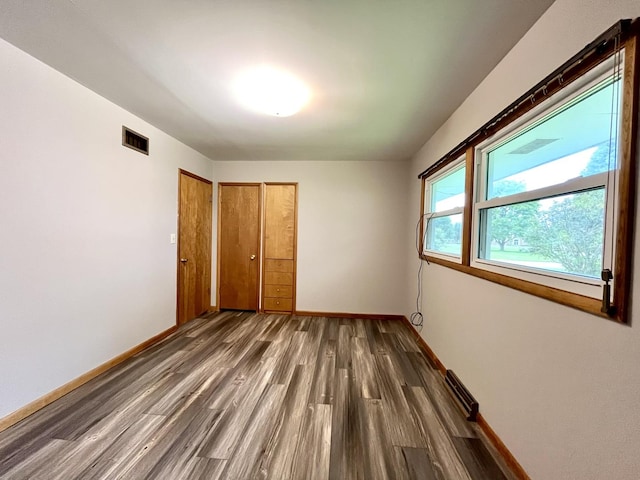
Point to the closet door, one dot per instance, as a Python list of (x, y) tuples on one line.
[(238, 245), (280, 243)]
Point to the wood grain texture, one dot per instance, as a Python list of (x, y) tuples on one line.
[(627, 183), (362, 316), (364, 368), (280, 291), (470, 166), (425, 347), (343, 357), (194, 246), (279, 220), (253, 441), (239, 395), (59, 392), (380, 460), (474, 455), (280, 244), (278, 265), (311, 461), (278, 304), (515, 470), (395, 408), (502, 449), (347, 448), (277, 458), (569, 299), (418, 463), (324, 380), (405, 372), (438, 442), (239, 220), (278, 278), (448, 411)]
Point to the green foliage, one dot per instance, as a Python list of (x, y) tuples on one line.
[(571, 232), (511, 221), (443, 232)]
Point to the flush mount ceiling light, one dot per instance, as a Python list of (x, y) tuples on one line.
[(271, 91)]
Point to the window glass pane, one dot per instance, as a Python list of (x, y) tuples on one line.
[(448, 192), (574, 141), (561, 234), (444, 234)]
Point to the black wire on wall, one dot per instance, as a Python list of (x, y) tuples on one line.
[(417, 318)]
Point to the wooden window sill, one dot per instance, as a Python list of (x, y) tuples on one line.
[(569, 299)]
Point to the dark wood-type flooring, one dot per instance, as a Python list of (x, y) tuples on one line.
[(247, 396)]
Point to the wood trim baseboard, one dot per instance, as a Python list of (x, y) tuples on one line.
[(213, 309), (427, 349), (501, 448), (364, 316), (50, 397)]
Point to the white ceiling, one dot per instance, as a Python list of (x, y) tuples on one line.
[(384, 74)]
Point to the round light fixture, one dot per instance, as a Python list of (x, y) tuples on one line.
[(271, 91)]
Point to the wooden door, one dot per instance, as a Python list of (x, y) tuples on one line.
[(238, 245), (194, 246), (280, 245)]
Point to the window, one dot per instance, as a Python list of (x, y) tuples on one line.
[(544, 184), (541, 198), (444, 203)]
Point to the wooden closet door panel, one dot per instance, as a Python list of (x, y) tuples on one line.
[(280, 237), (278, 304), (239, 245), (280, 221), (278, 278), (278, 265), (278, 291)]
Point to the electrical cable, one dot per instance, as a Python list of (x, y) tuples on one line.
[(416, 318)]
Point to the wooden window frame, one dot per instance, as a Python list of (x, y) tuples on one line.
[(626, 39), (460, 162)]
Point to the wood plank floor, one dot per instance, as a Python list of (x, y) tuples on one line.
[(245, 396)]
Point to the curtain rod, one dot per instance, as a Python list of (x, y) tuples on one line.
[(598, 46)]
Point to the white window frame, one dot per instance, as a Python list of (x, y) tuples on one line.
[(429, 215), (591, 287)]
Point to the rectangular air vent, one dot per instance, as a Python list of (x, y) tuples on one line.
[(134, 140), (465, 398)]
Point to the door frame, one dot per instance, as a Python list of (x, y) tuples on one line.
[(259, 254), (209, 182)]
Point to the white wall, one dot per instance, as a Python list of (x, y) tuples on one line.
[(560, 387), (86, 267), (351, 218)]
